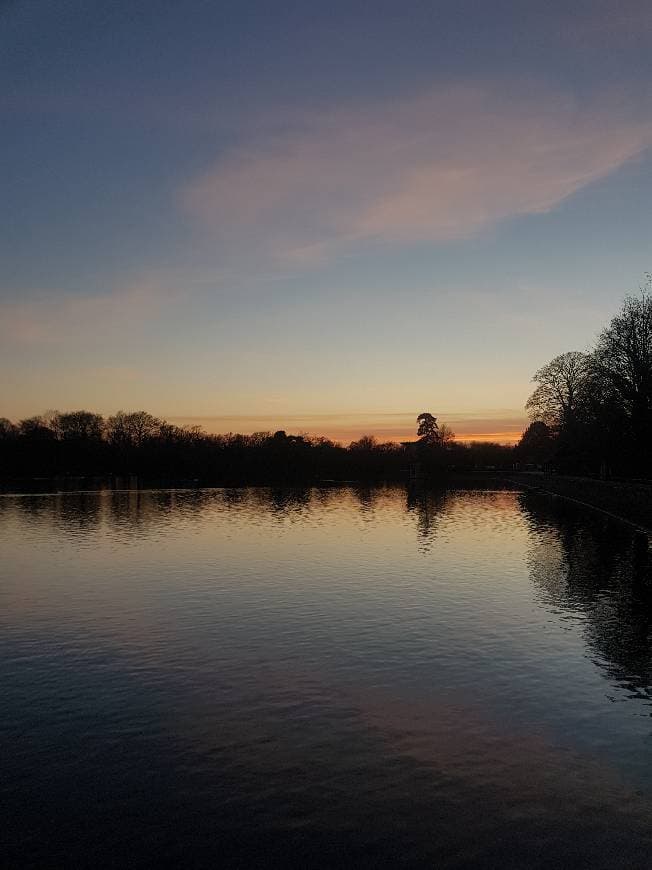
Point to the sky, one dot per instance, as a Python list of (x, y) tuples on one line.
[(321, 217)]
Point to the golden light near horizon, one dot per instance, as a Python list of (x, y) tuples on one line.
[(499, 428)]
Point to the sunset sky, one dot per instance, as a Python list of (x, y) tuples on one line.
[(321, 217)]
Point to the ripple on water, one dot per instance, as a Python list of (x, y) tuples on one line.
[(344, 676)]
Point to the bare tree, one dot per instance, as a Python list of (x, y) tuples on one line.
[(446, 435), (562, 386), (132, 428), (623, 359), (77, 424), (365, 442)]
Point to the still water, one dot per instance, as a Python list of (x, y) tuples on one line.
[(323, 678)]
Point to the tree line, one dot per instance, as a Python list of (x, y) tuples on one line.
[(591, 411), (82, 443)]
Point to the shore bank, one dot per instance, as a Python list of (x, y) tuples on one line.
[(628, 501)]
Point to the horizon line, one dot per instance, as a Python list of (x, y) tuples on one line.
[(345, 428)]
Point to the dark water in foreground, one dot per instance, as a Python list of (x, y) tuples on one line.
[(322, 678)]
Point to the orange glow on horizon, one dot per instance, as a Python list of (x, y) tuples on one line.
[(344, 428)]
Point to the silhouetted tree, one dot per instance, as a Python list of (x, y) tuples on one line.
[(428, 430), (364, 443), (35, 428), (623, 360), (537, 444), (598, 406), (77, 425), (132, 428), (446, 435), (78, 443), (7, 429), (562, 386)]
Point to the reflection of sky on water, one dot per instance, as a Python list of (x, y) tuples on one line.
[(455, 648)]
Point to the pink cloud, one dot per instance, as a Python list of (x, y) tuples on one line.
[(439, 167)]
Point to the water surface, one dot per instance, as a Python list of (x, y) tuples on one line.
[(335, 677)]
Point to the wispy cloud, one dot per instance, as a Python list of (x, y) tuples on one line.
[(53, 319), (439, 167)]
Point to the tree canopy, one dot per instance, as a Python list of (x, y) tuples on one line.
[(598, 404)]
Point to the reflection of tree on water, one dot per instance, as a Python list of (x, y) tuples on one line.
[(586, 562), (136, 512), (72, 512), (427, 504), (367, 497), (233, 496), (284, 501)]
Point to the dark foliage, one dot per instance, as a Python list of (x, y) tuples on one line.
[(82, 444), (592, 412)]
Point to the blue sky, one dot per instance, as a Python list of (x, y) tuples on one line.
[(262, 213)]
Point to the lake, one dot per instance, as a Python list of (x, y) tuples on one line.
[(322, 678)]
